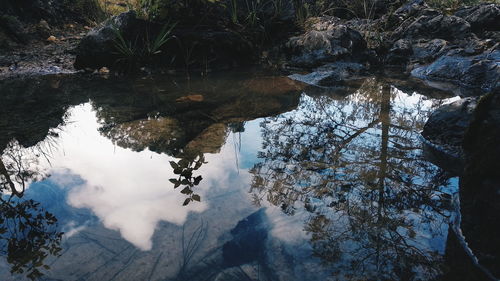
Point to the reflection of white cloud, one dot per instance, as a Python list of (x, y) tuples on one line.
[(129, 191)]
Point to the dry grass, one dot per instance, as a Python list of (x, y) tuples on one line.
[(114, 7)]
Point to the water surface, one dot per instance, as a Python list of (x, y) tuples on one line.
[(246, 176)]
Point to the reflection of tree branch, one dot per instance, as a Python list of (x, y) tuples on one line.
[(5, 173), (357, 179)]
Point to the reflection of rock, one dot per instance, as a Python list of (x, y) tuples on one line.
[(190, 98), (155, 134), (272, 85), (248, 242), (209, 141), (199, 118)]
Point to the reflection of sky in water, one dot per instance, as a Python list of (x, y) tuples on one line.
[(130, 191)]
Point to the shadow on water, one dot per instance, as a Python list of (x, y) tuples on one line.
[(347, 162)]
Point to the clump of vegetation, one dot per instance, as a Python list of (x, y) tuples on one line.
[(452, 5), (133, 53)]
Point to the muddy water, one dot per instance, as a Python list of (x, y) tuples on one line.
[(247, 176)]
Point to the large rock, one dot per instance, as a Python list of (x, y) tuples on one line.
[(425, 51), (404, 52), (481, 71), (329, 43), (434, 25), (98, 47), (480, 184), (400, 52), (482, 17), (189, 47), (447, 125)]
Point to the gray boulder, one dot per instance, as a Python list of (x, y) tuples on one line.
[(434, 25), (447, 125), (400, 52), (481, 71), (333, 43), (444, 134), (482, 17), (425, 51)]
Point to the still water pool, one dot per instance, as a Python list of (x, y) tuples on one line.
[(247, 176)]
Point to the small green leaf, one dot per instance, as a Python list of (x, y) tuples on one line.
[(186, 190), (186, 201), (196, 197)]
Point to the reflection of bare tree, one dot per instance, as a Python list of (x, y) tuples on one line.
[(19, 167), (28, 234), (355, 166)]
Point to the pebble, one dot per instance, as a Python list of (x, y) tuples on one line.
[(104, 70)]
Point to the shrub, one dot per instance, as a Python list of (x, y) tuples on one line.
[(452, 5)]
